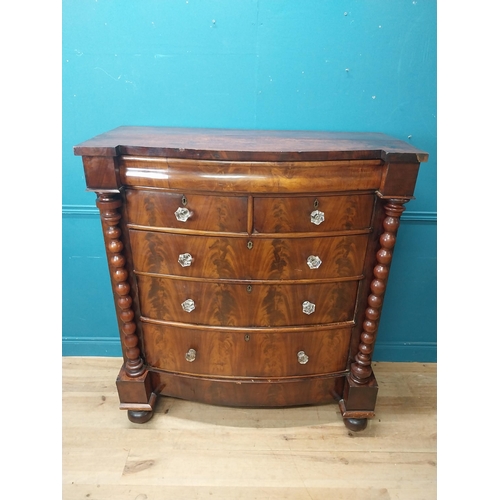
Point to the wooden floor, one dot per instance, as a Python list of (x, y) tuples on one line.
[(190, 451)]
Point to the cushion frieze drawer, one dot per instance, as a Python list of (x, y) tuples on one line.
[(239, 354), (242, 305), (312, 213), (187, 211), (248, 258), (244, 176)]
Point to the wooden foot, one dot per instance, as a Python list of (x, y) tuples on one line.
[(358, 403), (356, 424), (358, 397), (136, 396), (139, 417)]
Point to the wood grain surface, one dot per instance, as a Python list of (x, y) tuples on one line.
[(195, 451), (250, 176), (259, 305), (211, 143), (209, 212), (240, 354), (288, 214), (231, 258)]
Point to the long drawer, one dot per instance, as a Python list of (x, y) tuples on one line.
[(244, 305), (220, 353), (248, 258), (251, 176)]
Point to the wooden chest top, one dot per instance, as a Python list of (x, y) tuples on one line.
[(247, 145)]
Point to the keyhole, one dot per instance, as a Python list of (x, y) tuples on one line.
[(316, 203), (247, 337), (184, 200)]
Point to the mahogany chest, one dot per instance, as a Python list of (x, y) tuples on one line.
[(248, 268)]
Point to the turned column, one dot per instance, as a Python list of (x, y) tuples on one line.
[(109, 205), (361, 369)]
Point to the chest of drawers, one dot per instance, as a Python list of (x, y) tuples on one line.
[(248, 268)]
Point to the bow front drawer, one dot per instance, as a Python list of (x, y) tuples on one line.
[(248, 258), (245, 305), (221, 353)]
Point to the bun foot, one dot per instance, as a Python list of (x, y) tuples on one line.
[(356, 424), (139, 417)]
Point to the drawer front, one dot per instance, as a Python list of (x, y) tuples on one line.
[(231, 258), (241, 305), (249, 354), (313, 214), (205, 212), (251, 176)]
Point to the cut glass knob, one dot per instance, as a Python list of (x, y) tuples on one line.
[(317, 217), (302, 357), (183, 214), (185, 259), (308, 307), (188, 305), (313, 261), (191, 355)]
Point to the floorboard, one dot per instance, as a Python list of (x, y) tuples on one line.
[(196, 451)]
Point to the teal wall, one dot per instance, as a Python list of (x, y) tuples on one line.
[(367, 65)]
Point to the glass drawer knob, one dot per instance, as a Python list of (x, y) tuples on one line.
[(302, 357), (317, 217), (183, 214), (185, 259), (313, 261), (308, 307), (188, 305), (191, 355)]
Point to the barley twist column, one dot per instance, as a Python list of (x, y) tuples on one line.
[(361, 369), (109, 208)]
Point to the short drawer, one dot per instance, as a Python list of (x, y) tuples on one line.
[(245, 354), (248, 258), (313, 214), (187, 211), (246, 305)]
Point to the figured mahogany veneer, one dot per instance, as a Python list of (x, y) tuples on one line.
[(242, 305), (225, 214), (265, 354), (249, 267), (231, 258)]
